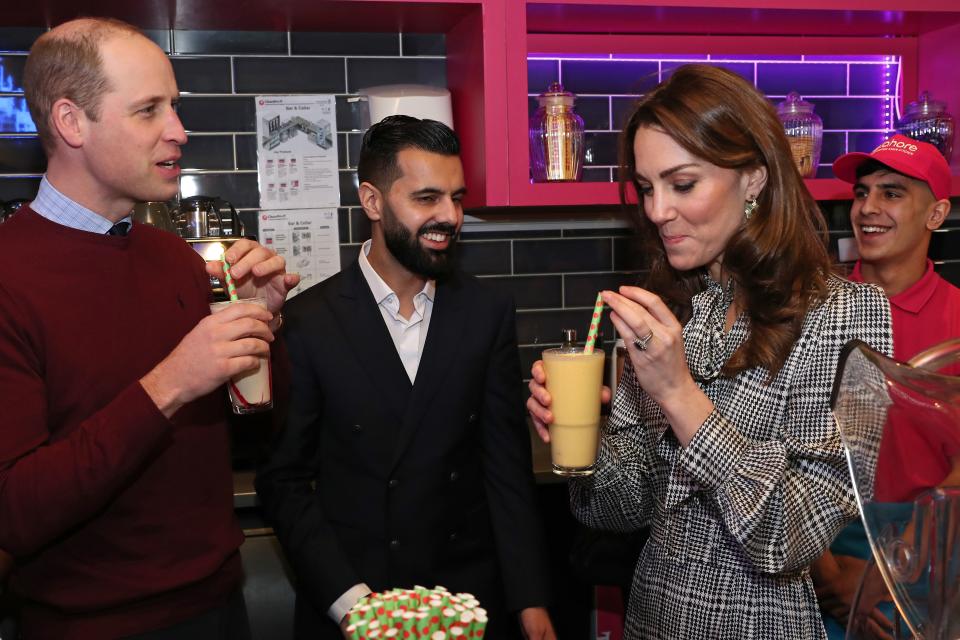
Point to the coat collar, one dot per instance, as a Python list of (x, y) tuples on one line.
[(370, 340)]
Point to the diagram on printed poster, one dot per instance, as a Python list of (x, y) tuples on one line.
[(308, 239), (297, 152)]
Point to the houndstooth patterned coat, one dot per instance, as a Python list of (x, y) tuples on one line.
[(761, 490)]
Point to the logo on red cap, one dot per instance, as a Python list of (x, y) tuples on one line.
[(899, 145)]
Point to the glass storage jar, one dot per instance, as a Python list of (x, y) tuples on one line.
[(556, 138), (804, 131), (927, 120)]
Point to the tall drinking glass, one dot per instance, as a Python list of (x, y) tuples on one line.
[(574, 380), (250, 391)]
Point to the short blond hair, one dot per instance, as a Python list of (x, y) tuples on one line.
[(65, 62)]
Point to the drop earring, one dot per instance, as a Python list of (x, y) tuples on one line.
[(749, 207)]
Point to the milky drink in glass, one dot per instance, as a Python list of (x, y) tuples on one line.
[(574, 380), (250, 391)]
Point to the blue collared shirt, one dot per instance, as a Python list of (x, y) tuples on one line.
[(56, 207)]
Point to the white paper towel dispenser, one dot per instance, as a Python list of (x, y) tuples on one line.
[(417, 100)]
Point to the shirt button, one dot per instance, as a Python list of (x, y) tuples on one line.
[(472, 418), (453, 536), (454, 476), (357, 428), (393, 483), (395, 545)]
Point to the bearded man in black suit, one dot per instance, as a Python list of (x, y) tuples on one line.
[(405, 456)]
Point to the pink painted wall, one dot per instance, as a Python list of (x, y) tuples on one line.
[(939, 71)]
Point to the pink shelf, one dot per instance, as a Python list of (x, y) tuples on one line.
[(607, 193), (565, 193), (925, 33)]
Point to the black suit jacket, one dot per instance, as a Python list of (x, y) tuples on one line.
[(379, 481)]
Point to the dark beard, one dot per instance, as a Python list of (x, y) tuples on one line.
[(405, 247)]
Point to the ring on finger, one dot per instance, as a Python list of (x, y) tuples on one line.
[(641, 343)]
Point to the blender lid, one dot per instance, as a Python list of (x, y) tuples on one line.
[(925, 104), (555, 95), (794, 104)]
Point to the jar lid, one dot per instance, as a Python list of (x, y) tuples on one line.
[(925, 105), (555, 95), (794, 104)]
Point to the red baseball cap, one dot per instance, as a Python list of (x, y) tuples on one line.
[(920, 160)]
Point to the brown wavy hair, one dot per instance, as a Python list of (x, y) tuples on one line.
[(778, 259)]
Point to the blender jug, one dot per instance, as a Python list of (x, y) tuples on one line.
[(900, 426)]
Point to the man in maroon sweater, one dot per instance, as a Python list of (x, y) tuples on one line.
[(115, 484)]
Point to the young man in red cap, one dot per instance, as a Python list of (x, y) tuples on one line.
[(901, 196)]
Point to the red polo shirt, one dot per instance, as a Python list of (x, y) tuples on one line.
[(913, 459)]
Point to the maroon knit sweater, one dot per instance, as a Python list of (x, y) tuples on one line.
[(121, 520)]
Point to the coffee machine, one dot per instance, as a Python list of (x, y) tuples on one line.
[(206, 217), (210, 225)]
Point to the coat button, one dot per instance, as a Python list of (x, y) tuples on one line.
[(472, 418), (453, 536), (357, 428), (393, 483), (454, 476), (395, 545)]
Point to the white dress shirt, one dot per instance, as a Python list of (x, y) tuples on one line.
[(409, 335)]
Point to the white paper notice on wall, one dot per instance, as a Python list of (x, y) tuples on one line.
[(297, 152), (308, 239)]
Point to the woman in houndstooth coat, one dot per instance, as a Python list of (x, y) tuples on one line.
[(720, 437)]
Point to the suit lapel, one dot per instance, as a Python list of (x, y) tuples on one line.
[(362, 324), (439, 353)]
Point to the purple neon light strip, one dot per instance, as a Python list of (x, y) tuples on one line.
[(887, 90)]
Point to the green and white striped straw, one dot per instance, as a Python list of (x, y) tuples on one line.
[(594, 325), (231, 287)]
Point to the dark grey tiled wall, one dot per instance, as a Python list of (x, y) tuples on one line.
[(552, 268), (218, 73)]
